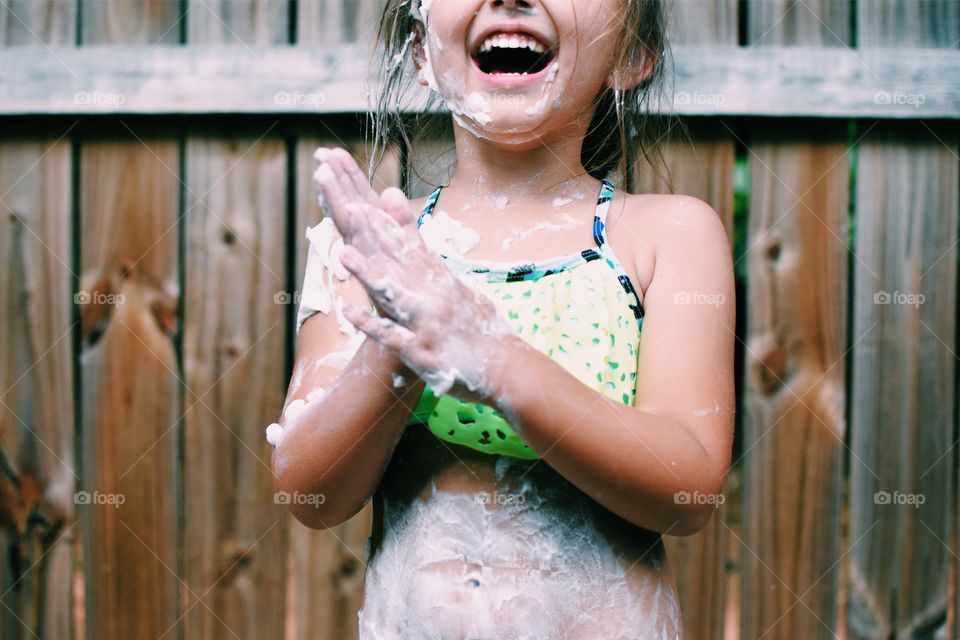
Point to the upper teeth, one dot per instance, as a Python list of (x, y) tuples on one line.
[(512, 41)]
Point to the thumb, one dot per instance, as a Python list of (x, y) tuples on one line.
[(397, 205)]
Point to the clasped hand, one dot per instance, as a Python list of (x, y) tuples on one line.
[(447, 333)]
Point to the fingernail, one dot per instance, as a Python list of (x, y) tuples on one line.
[(320, 154), (324, 172)]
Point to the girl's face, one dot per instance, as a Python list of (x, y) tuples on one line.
[(514, 71)]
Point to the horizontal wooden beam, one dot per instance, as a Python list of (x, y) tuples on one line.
[(754, 81)]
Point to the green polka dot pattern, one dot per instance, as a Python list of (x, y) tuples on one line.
[(579, 317)]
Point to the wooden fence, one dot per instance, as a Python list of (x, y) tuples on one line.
[(155, 163)]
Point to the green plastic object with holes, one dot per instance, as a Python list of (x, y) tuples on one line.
[(478, 426)]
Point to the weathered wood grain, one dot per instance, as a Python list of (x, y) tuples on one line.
[(794, 396), (240, 22), (235, 175), (794, 425), (234, 537), (129, 381), (129, 377), (34, 22), (903, 403), (339, 21), (137, 22), (710, 80), (38, 474)]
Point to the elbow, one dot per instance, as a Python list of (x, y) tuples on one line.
[(691, 520), (311, 506), (694, 509)]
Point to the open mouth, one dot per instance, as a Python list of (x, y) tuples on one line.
[(512, 53)]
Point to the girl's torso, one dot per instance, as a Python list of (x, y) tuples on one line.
[(466, 544)]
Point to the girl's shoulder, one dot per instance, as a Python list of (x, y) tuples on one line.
[(651, 227), (659, 215)]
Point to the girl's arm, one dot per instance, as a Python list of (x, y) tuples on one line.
[(331, 456), (662, 463)]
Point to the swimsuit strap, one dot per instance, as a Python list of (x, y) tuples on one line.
[(600, 215), (430, 203)]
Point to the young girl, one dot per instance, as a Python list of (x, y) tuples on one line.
[(474, 360)]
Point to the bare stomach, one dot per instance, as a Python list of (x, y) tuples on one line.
[(467, 545)]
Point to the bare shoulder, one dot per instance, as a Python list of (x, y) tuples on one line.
[(668, 214), (670, 223), (652, 227)]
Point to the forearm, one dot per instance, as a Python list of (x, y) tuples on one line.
[(630, 461), (336, 451)]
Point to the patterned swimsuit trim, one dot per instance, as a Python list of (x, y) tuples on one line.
[(534, 270)]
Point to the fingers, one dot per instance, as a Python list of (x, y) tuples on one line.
[(357, 177), (353, 181), (329, 186), (383, 330), (396, 204)]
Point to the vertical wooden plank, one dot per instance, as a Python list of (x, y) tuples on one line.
[(124, 22), (339, 22), (233, 359), (326, 567), (904, 381), (794, 424), (250, 22), (824, 23), (794, 397), (37, 412), (702, 167), (234, 539), (908, 23), (129, 382), (904, 386), (703, 22), (33, 22)]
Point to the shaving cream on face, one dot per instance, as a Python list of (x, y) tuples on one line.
[(473, 107), (541, 107)]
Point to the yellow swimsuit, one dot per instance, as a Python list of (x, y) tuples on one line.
[(581, 310)]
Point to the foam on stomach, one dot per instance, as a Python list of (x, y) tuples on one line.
[(489, 547)]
